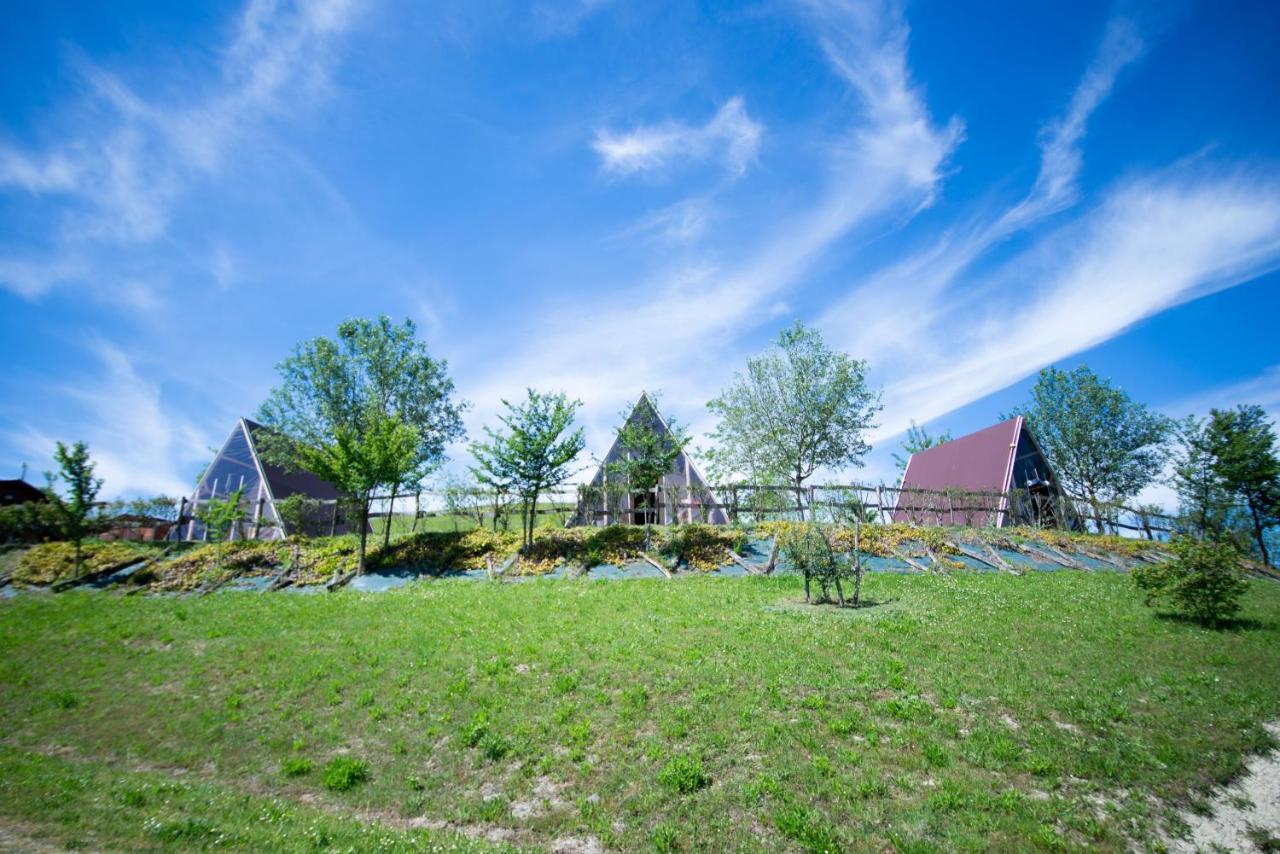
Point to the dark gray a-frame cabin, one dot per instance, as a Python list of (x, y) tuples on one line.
[(682, 497)]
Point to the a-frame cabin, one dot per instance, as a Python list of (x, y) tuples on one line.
[(1002, 460), (683, 496), (238, 465)]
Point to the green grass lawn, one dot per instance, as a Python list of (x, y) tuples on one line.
[(964, 711)]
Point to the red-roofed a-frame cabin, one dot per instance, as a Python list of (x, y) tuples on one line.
[(969, 480)]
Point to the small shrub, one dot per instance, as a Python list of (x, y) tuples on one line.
[(495, 746), (1204, 581), (803, 827), (343, 773), (664, 838), (474, 732), (683, 774), (296, 766), (64, 700)]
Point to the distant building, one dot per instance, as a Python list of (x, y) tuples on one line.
[(682, 496), (20, 492), (238, 465), (995, 476)]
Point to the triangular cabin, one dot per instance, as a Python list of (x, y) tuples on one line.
[(237, 465), (995, 476), (683, 496)]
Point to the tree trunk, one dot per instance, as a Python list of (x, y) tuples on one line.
[(1097, 513), (806, 585), (857, 562), (364, 532), (839, 591), (1259, 534), (799, 501), (533, 517), (391, 511)]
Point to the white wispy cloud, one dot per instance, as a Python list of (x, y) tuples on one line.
[(1262, 390), (887, 326), (114, 178), (1149, 245), (677, 329), (731, 136), (139, 444), (1060, 155)]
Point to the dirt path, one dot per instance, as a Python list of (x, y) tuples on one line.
[(1246, 815)]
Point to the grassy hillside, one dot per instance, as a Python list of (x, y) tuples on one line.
[(965, 710)]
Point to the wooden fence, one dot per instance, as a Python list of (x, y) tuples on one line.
[(740, 503)]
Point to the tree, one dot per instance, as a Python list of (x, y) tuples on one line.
[(533, 454), (917, 440), (808, 547), (368, 410), (799, 407), (220, 516), (75, 470), (648, 453), (1242, 444), (1204, 580), (1104, 446), (1203, 501)]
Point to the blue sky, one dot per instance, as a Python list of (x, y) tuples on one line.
[(604, 197)]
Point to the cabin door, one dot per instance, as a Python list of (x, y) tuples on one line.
[(643, 508)]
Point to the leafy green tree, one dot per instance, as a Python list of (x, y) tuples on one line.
[(917, 440), (1242, 443), (75, 470), (220, 516), (1203, 500), (800, 407), (368, 410), (648, 453), (535, 452), (1104, 446)]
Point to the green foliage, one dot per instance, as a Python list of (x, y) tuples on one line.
[(295, 766), (75, 470), (800, 407), (371, 409), (1242, 446), (1103, 446), (32, 522), (649, 451), (534, 453), (702, 546), (917, 440), (50, 562), (220, 517), (303, 515), (804, 827), (683, 774), (1204, 581), (808, 545), (343, 773)]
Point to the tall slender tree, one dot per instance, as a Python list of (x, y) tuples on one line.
[(367, 410), (75, 470), (1242, 443), (797, 408), (649, 452), (534, 454), (1204, 503), (1104, 446)]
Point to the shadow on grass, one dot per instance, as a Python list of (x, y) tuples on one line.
[(833, 608), (1230, 624)]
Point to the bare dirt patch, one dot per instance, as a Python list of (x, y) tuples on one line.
[(1246, 814)]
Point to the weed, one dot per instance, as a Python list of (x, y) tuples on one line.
[(683, 774), (343, 773)]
